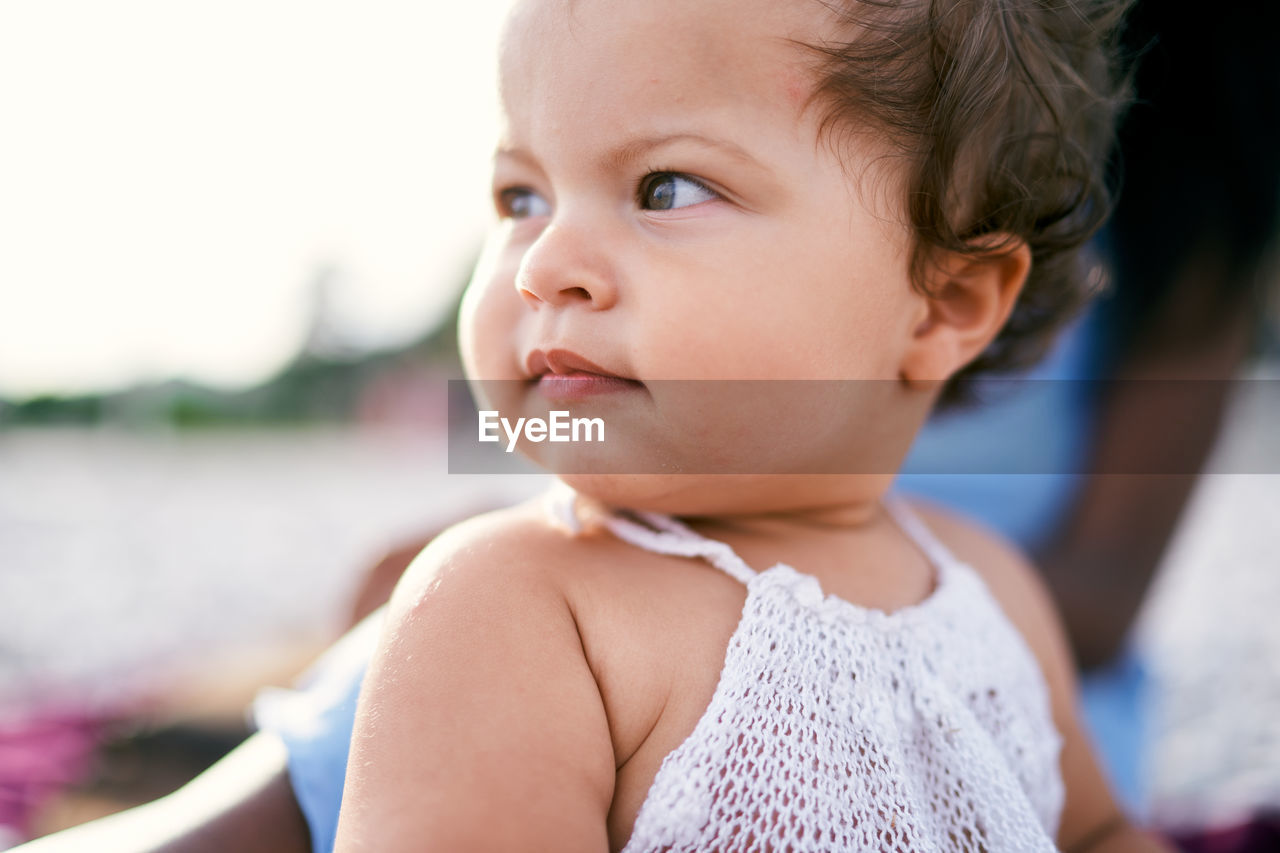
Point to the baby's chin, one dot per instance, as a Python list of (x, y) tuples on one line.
[(693, 495)]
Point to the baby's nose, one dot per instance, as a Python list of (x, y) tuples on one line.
[(565, 267)]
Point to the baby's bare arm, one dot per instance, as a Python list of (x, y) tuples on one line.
[(1091, 820), (480, 725)]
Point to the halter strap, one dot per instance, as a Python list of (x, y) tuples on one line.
[(663, 534), (919, 532), (651, 531)]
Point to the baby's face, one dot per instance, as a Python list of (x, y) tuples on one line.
[(668, 210)]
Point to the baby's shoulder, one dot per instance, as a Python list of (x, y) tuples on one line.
[(510, 557), (479, 700), (503, 553), (1001, 564)]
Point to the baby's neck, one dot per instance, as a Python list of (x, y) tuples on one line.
[(849, 542), (832, 518), (855, 550), (798, 502)]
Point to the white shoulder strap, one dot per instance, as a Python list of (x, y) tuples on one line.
[(660, 534), (562, 505), (664, 535), (910, 523)]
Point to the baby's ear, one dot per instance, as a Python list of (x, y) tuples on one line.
[(968, 299)]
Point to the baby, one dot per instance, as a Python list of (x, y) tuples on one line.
[(887, 194)]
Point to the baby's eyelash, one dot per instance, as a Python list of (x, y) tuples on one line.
[(502, 198), (507, 201), (650, 176)]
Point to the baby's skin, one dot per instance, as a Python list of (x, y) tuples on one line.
[(614, 654), (669, 208)]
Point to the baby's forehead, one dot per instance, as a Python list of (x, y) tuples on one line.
[(608, 60)]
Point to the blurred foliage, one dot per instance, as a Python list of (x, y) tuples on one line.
[(312, 388)]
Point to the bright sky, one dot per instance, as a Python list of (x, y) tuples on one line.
[(173, 176)]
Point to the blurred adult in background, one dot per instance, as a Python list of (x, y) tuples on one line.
[(1190, 242), (1190, 248)]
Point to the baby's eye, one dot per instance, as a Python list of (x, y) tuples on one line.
[(669, 190), (522, 203)]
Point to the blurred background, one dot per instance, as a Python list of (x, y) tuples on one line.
[(232, 238)]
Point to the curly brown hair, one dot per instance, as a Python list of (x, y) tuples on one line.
[(1004, 112)]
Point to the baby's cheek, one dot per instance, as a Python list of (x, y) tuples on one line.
[(487, 326), (796, 87)]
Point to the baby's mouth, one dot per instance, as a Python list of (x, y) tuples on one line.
[(565, 376), (568, 387)]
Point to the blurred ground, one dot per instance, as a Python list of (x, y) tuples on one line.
[(150, 582), (161, 577), (128, 557)]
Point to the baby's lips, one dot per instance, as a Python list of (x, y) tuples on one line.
[(564, 362), (577, 386)]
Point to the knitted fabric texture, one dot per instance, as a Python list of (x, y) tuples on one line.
[(837, 727)]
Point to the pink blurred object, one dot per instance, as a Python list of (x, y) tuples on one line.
[(41, 754)]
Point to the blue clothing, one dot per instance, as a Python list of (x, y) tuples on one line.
[(315, 721), (1116, 703)]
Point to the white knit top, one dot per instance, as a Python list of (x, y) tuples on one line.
[(838, 727)]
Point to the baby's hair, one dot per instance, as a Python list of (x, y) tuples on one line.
[(1004, 113)]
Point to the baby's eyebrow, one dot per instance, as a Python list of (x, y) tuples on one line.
[(633, 149), (515, 154)]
